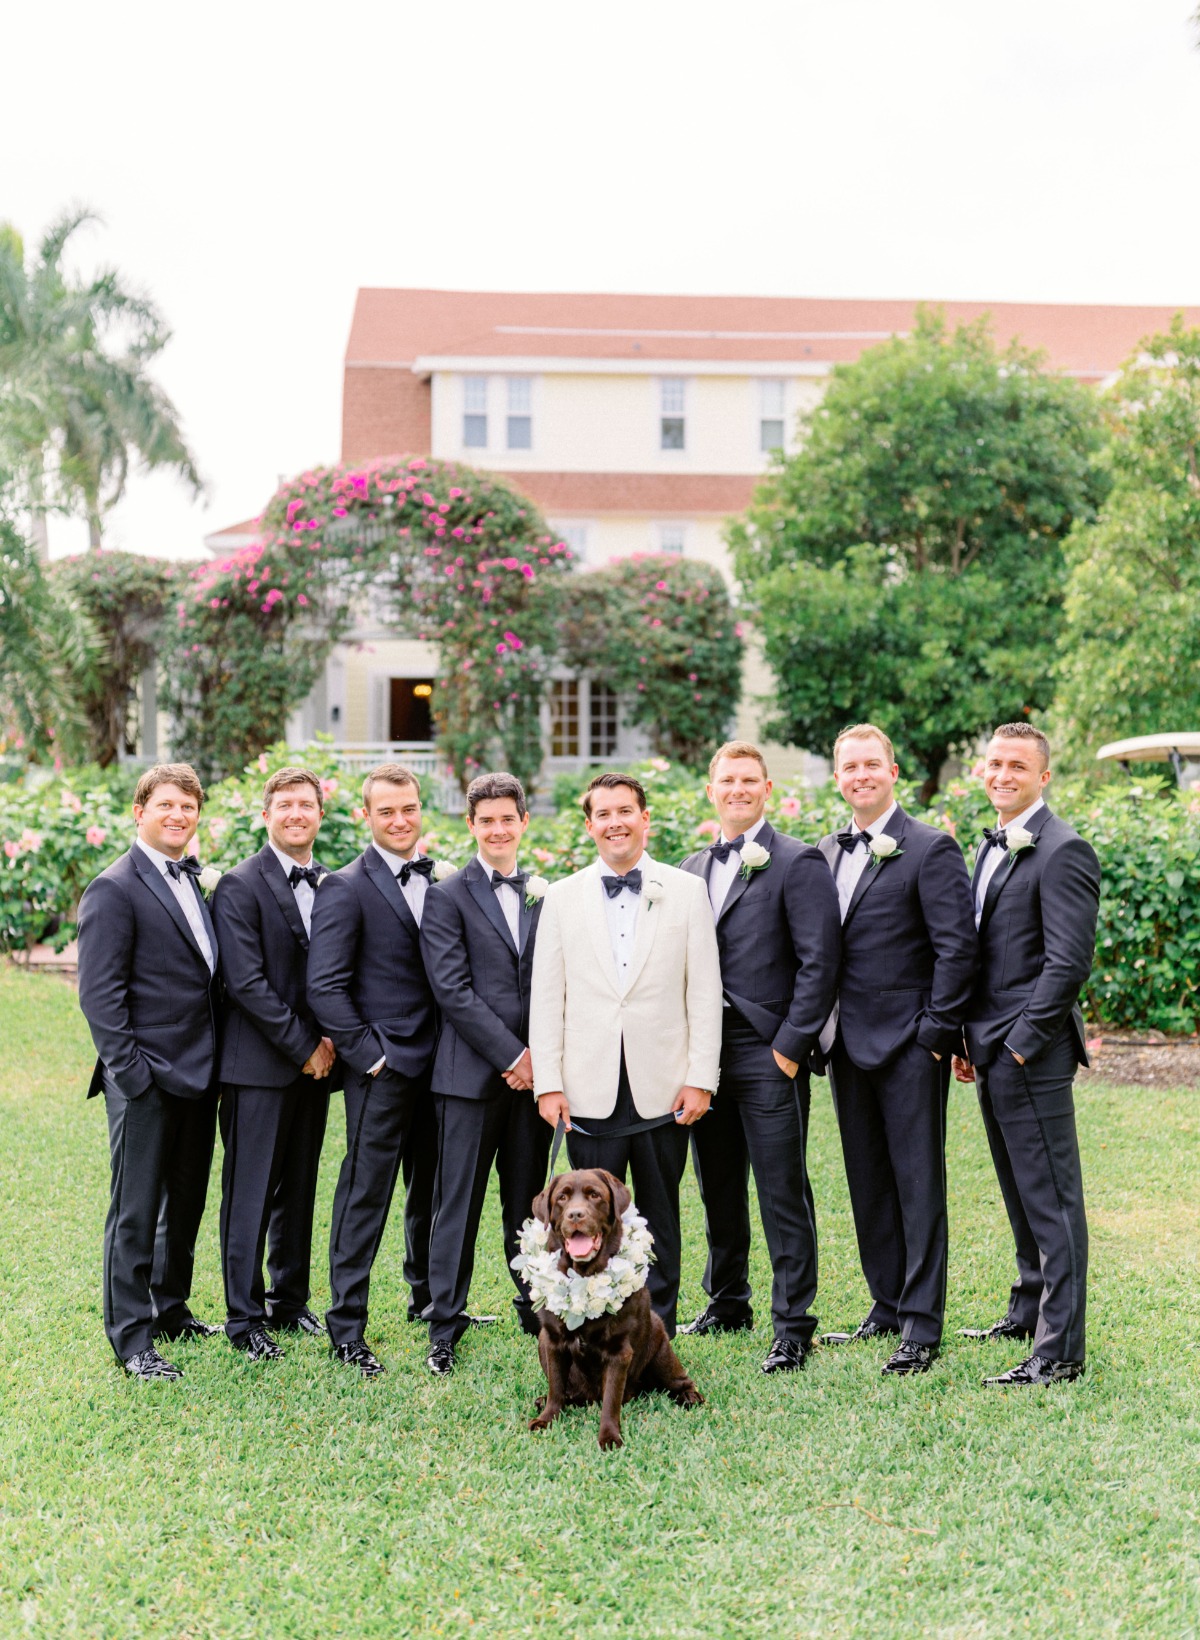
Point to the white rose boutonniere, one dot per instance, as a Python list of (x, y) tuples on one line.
[(535, 890), (443, 869), (754, 858), (1018, 838), (652, 890), (208, 879), (882, 848)]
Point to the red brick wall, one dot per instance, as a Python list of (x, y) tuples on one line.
[(384, 413)]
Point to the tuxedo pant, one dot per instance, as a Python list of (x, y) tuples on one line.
[(160, 1149), (893, 1126), (758, 1119), (389, 1125), (472, 1134), (1029, 1115), (655, 1159), (272, 1139)]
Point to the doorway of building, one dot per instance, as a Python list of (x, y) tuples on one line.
[(410, 714)]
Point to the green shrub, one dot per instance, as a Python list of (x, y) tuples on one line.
[(54, 838)]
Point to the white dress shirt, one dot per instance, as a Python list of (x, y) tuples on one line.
[(621, 913), (304, 891), (188, 899), (510, 903), (992, 857), (414, 889), (851, 863), (723, 873)]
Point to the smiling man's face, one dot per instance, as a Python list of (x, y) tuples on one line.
[(738, 791), (1014, 773), (865, 777), (167, 820), (618, 827)]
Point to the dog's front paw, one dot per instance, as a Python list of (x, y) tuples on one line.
[(610, 1437)]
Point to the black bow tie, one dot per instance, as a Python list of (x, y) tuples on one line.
[(176, 868), (849, 840), (516, 881), (423, 868), (632, 880), (996, 836), (721, 851), (304, 874)]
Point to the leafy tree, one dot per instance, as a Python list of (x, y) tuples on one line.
[(125, 596), (662, 632), (77, 401), (46, 645), (1130, 661), (906, 564)]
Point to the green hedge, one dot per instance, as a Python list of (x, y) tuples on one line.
[(56, 837)]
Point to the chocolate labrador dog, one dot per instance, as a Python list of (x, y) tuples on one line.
[(612, 1357)]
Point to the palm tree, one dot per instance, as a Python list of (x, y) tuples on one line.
[(77, 402), (47, 646)]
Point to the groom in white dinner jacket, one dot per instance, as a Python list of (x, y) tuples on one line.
[(625, 1015)]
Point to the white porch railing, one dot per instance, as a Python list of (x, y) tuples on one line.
[(421, 756)]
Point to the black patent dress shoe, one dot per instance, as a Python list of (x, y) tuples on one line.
[(1036, 1369), (910, 1358), (191, 1328), (786, 1355), (356, 1354), (440, 1360), (258, 1345), (305, 1322), (1006, 1327), (865, 1329), (150, 1364), (708, 1321)]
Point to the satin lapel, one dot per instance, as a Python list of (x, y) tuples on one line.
[(894, 828), (487, 899), (1006, 868), (385, 881), (526, 922), (829, 848), (741, 882), (649, 917), (156, 883), (597, 924), (285, 894), (210, 927)]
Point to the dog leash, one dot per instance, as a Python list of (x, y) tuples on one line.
[(644, 1126)]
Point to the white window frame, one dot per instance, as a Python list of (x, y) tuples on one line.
[(672, 539), (474, 407), (576, 532), (772, 410), (519, 396), (672, 406)]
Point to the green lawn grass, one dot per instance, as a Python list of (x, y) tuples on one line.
[(290, 1499)]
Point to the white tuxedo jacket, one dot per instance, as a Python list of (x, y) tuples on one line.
[(669, 1016)]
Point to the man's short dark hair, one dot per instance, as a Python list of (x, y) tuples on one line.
[(486, 787), (169, 774), (293, 776), (1025, 731), (394, 773), (609, 782)]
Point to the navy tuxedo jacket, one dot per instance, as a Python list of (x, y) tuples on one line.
[(480, 980), (366, 980), (1037, 939), (144, 986), (268, 1029), (909, 952), (779, 937)]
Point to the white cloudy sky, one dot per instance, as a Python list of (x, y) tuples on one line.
[(256, 162)]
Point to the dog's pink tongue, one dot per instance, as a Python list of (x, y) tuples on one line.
[(579, 1246)]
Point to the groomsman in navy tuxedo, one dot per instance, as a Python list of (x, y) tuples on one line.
[(368, 991), (275, 1072), (777, 931), (909, 958), (149, 990), (1037, 895), (477, 937)]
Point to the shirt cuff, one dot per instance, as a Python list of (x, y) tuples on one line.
[(377, 1066), (515, 1062)]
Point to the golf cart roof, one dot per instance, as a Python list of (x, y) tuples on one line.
[(1152, 748)]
